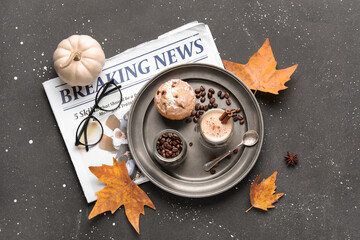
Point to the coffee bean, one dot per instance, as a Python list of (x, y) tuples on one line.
[(212, 171), (236, 150), (222, 96), (210, 106), (212, 90), (235, 118), (209, 95), (227, 95), (238, 110), (188, 120), (240, 116), (219, 93), (203, 94), (201, 112), (233, 110), (195, 119), (190, 144), (197, 90), (206, 107), (202, 88), (201, 107), (197, 106), (215, 105), (193, 113), (242, 121), (202, 99), (228, 102), (198, 95), (212, 100), (175, 149), (197, 115)]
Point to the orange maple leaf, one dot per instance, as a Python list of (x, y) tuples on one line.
[(119, 190), (260, 72), (262, 195)]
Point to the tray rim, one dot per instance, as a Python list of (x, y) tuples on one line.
[(231, 184)]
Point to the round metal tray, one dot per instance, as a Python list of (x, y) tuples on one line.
[(189, 179)]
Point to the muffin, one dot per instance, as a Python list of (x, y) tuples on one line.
[(175, 99)]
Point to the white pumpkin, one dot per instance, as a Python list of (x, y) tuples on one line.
[(78, 60)]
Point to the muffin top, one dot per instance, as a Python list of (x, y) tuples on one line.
[(175, 99)]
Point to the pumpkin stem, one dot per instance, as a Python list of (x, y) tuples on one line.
[(74, 56)]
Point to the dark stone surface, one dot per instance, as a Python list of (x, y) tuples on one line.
[(318, 117)]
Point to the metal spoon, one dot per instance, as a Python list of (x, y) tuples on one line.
[(250, 138)]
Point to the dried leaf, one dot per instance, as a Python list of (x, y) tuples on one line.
[(262, 195), (260, 72), (119, 190)]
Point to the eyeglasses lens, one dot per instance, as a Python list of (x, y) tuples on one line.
[(110, 99), (93, 131)]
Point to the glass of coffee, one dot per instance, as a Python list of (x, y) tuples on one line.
[(214, 132)]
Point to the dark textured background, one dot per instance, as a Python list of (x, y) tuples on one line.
[(316, 117)]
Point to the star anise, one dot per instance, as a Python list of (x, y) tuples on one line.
[(291, 159)]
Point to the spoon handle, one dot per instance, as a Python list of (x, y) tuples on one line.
[(212, 163)]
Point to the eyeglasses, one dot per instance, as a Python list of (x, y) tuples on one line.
[(90, 131)]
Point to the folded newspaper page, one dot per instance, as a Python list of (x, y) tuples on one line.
[(131, 69)]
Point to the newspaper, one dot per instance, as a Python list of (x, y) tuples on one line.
[(131, 69)]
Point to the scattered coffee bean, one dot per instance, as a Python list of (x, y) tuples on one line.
[(219, 93), (188, 120), (215, 105), (238, 110), (212, 90), (235, 118), (222, 96), (210, 106), (227, 95), (206, 107), (202, 99), (228, 102), (201, 107), (202, 88), (236, 150), (212, 100), (197, 91), (209, 95), (240, 116), (190, 144), (198, 95), (197, 106), (193, 113), (195, 119), (197, 114), (242, 121), (203, 94), (233, 110), (169, 145), (201, 112), (212, 171)]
